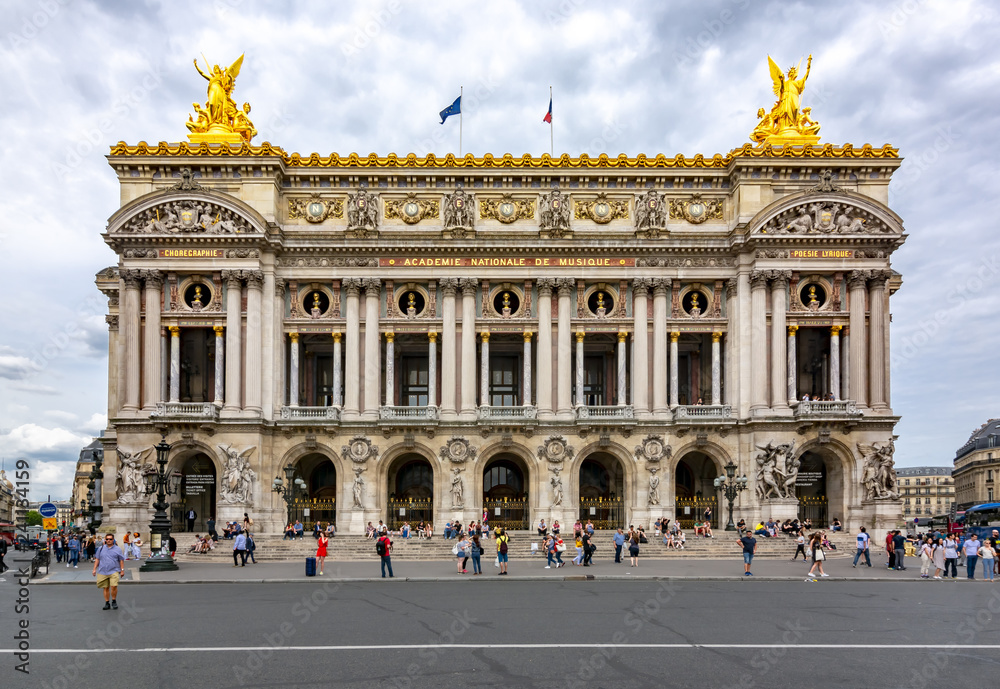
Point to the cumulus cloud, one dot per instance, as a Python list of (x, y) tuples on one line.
[(14, 366)]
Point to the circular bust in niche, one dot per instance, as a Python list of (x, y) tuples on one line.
[(506, 303), (411, 303), (601, 303), (812, 296), (197, 296), (695, 303), (315, 303)]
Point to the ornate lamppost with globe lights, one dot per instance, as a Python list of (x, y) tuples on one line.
[(731, 486), (163, 484), (289, 488)]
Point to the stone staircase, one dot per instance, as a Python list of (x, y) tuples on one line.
[(358, 548)]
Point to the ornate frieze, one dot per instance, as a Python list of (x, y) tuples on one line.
[(459, 213), (556, 450), (601, 210), (236, 483), (359, 451), (554, 214), (693, 262), (242, 253), (458, 451), (412, 209), (506, 209), (653, 450), (362, 214), (826, 217), (324, 262), (695, 209), (650, 215), (879, 474), (315, 209), (187, 217)]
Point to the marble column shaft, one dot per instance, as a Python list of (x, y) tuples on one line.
[(792, 382), (845, 364), (758, 341), (164, 364), (335, 397), (674, 377), (151, 364), (234, 328), (432, 368), (835, 361), (564, 347), (373, 357), (352, 348), (390, 369), (732, 337), (175, 364), (220, 364), (779, 371), (544, 392), (484, 369), (660, 287), (526, 371), (716, 369), (468, 402), (580, 400), (130, 326), (293, 370), (640, 346), (255, 286), (858, 370), (622, 368), (876, 343)]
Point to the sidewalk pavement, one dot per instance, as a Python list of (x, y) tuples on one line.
[(530, 568)]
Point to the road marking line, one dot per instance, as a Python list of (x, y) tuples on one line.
[(411, 647)]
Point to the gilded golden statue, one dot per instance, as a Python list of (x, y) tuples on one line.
[(220, 121), (787, 123)]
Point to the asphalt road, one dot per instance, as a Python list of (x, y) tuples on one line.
[(504, 633)]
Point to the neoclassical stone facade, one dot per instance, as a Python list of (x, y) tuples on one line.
[(423, 338)]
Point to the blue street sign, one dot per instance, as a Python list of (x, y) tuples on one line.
[(47, 510)]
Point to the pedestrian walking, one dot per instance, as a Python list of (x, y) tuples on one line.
[(383, 546), (251, 548), (109, 564), (633, 549), (864, 542), (891, 564), (74, 552), (800, 547), (558, 547), (938, 556), (321, 543), (503, 540), (926, 557), (749, 544), (988, 555), (56, 548), (212, 533), (477, 552), (899, 549), (619, 541), (3, 554), (818, 555), (549, 543), (951, 557), (461, 550), (971, 548), (240, 549), (578, 560), (588, 549)]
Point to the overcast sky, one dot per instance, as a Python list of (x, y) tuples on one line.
[(633, 77)]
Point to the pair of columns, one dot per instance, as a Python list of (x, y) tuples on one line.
[(293, 369), (564, 288), (352, 369)]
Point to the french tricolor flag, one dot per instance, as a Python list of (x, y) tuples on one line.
[(548, 115)]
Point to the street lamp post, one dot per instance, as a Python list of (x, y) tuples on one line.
[(90, 508), (163, 484), (731, 486), (289, 488), (96, 477)]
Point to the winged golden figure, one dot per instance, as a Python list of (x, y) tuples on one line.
[(787, 122), (219, 120)]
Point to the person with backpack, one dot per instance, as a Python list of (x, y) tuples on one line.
[(502, 542), (383, 546), (588, 548), (863, 543), (477, 551)]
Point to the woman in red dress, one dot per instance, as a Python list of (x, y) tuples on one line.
[(321, 550)]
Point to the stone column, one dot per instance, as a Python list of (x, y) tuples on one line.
[(432, 366), (580, 400), (835, 361), (130, 324), (622, 367), (114, 366), (151, 365), (352, 349), (468, 410), (220, 363), (845, 364), (564, 349), (484, 369), (758, 342), (373, 363), (255, 287), (526, 371), (164, 364), (876, 342), (335, 397), (856, 282), (732, 331), (390, 369), (779, 374), (716, 369), (234, 328), (640, 347), (449, 358), (293, 370), (544, 393), (660, 287), (175, 364), (674, 379), (793, 380)]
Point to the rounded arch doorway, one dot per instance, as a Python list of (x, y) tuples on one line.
[(819, 487), (411, 491), (319, 504), (602, 488), (199, 489), (505, 494), (695, 493)]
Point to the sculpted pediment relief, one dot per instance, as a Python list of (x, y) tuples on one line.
[(187, 216), (816, 216)]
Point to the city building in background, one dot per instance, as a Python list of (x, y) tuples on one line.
[(977, 466), (926, 491)]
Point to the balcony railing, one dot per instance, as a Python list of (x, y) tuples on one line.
[(698, 412), (826, 408), (395, 413), (605, 412), (525, 413), (186, 410), (310, 413)]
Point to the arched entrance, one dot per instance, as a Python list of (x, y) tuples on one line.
[(198, 492), (505, 492), (819, 485), (694, 489), (602, 489), (411, 491), (319, 504)]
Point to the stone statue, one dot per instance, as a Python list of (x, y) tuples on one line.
[(129, 484), (316, 311), (654, 488), (557, 489), (813, 304), (695, 306), (457, 489), (554, 213), (220, 115), (411, 306), (650, 214), (196, 303), (237, 478), (505, 311), (458, 211), (359, 488), (879, 474), (602, 310), (362, 212), (786, 122), (772, 481), (791, 474)]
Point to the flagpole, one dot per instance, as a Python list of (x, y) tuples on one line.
[(552, 147), (460, 108)]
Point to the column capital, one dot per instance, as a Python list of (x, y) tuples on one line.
[(792, 329), (485, 336), (731, 285), (857, 279), (293, 336), (233, 278), (835, 330), (622, 335), (112, 321), (716, 336), (337, 335), (390, 336), (153, 278), (660, 286), (527, 336), (219, 330), (468, 286), (580, 334), (640, 287), (758, 279), (279, 287), (254, 278), (131, 276), (432, 336), (373, 286), (674, 336), (352, 286), (879, 278), (545, 286), (779, 278), (175, 331), (448, 286), (566, 286)]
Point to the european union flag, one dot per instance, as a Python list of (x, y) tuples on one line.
[(453, 109)]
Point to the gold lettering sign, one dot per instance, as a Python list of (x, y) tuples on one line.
[(518, 262), (191, 253), (821, 253)]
